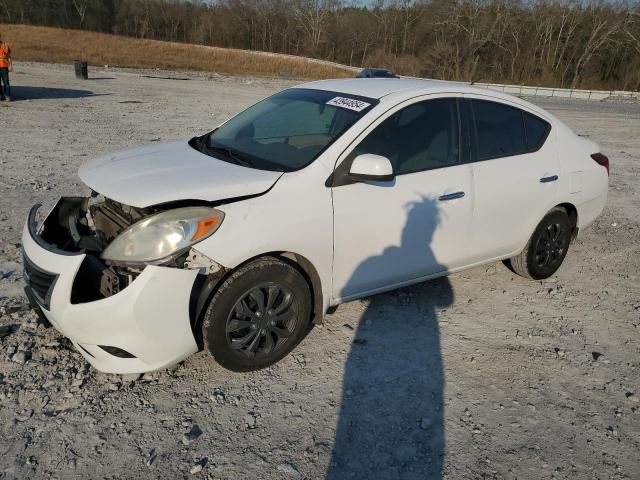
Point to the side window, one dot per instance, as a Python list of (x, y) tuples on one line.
[(422, 136), (537, 131), (499, 129)]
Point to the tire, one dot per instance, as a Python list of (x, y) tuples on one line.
[(258, 315), (546, 248)]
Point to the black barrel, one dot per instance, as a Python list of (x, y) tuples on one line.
[(81, 69)]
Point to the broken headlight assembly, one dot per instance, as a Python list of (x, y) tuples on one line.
[(162, 236)]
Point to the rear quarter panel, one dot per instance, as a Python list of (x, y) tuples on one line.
[(586, 182)]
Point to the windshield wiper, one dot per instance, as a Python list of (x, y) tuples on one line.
[(202, 144), (197, 143), (232, 154)]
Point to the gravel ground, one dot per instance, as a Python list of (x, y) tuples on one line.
[(481, 375)]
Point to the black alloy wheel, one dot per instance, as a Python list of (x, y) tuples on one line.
[(546, 248), (261, 321), (551, 247), (258, 314)]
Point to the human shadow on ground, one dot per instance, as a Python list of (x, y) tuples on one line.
[(391, 421), (19, 93)]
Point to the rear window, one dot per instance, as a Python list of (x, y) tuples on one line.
[(503, 130), (537, 131), (500, 130)]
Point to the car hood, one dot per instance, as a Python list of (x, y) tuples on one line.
[(168, 172)]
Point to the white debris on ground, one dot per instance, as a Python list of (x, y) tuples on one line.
[(516, 378)]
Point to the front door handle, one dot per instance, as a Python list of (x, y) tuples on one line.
[(551, 178), (450, 196)]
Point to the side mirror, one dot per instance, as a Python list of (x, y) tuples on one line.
[(371, 167)]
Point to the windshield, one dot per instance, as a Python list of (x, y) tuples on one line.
[(287, 131)]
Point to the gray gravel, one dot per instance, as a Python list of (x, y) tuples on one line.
[(482, 375)]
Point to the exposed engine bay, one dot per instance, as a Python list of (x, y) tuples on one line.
[(89, 225)]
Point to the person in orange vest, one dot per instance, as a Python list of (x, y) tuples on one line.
[(5, 67)]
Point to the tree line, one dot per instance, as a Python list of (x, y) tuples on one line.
[(562, 43)]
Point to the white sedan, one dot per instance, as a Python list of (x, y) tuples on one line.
[(237, 241)]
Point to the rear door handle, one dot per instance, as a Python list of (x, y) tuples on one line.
[(552, 178), (450, 196)]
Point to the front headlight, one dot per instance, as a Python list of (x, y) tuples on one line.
[(160, 236)]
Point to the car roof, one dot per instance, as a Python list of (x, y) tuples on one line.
[(372, 87), (376, 70), (381, 87), (404, 88)]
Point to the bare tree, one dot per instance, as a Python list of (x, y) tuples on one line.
[(587, 43), (81, 7)]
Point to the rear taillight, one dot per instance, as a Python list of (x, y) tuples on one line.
[(601, 160)]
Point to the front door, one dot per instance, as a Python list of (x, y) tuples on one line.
[(390, 233)]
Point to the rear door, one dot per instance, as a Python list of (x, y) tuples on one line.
[(515, 170)]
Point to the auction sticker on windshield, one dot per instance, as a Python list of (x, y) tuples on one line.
[(350, 103)]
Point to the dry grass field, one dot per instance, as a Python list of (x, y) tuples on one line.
[(56, 45)]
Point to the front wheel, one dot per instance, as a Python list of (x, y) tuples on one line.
[(258, 315), (546, 248)]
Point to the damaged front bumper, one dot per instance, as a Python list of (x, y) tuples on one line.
[(143, 327)]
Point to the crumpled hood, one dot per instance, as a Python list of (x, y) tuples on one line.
[(167, 172)]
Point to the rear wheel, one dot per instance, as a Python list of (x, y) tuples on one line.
[(259, 314), (546, 248)]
